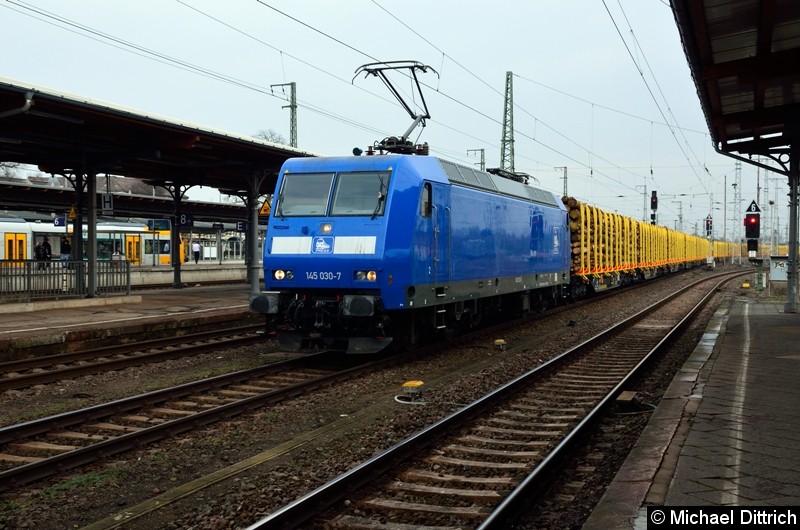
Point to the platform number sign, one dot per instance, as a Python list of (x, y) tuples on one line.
[(186, 219)]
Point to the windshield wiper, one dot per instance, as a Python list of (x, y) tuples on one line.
[(280, 207), (381, 197)]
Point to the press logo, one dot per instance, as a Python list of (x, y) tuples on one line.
[(322, 245)]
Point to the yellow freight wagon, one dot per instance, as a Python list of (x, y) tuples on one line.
[(610, 249)]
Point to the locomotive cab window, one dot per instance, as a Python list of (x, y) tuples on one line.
[(304, 194), (425, 201), (362, 193)]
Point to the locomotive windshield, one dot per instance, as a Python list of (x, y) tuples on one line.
[(305, 194), (360, 194)]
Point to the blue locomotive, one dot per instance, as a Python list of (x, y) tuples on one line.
[(363, 250)]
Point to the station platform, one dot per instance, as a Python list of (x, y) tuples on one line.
[(725, 433), (47, 326)]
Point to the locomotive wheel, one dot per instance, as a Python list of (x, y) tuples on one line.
[(415, 328)]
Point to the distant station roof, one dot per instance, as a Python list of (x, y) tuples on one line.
[(745, 60), (65, 134), (22, 195)]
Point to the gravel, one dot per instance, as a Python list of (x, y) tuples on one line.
[(352, 421)]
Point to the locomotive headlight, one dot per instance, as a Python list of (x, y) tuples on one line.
[(365, 276), (325, 228), (281, 274)]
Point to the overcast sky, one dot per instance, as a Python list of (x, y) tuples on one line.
[(600, 87)]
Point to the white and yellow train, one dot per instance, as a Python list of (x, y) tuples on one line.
[(139, 245)]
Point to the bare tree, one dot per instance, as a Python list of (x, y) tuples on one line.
[(271, 135)]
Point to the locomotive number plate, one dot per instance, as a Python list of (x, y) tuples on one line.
[(323, 275)]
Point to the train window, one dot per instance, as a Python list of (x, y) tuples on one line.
[(304, 194), (361, 193), (425, 201), (156, 246)]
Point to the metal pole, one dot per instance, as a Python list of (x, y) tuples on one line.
[(644, 199), (794, 176), (564, 177), (738, 219), (253, 261), (176, 251), (91, 244), (483, 157), (725, 210), (679, 222), (292, 106)]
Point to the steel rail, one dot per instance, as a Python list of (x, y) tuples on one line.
[(31, 472), (533, 483), (26, 380), (307, 507)]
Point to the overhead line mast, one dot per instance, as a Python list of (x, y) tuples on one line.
[(506, 169), (507, 141), (292, 106)]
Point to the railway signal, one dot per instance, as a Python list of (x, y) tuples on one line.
[(752, 225), (709, 226), (653, 206)]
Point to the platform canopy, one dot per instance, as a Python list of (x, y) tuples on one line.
[(745, 60), (65, 134), (744, 56)]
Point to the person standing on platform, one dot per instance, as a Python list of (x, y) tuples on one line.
[(66, 250), (47, 251), (37, 255), (196, 251)]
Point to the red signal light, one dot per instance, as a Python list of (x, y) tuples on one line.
[(752, 225)]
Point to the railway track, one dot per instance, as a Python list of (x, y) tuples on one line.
[(37, 449), (475, 467), (50, 368)]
